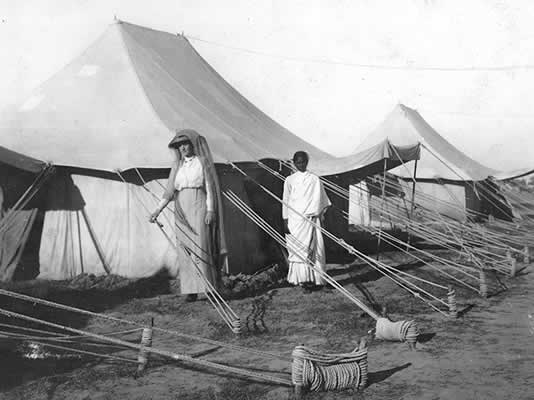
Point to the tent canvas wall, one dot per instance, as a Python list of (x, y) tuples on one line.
[(109, 115)]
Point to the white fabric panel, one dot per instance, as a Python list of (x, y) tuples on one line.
[(359, 204), (131, 246), (365, 209)]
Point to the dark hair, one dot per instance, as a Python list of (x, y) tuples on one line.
[(302, 154)]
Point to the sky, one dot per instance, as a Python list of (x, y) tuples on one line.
[(329, 71)]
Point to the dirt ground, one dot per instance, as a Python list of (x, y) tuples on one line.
[(487, 353)]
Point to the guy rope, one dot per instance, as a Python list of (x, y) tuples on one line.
[(242, 206), (310, 369), (382, 268), (230, 318)]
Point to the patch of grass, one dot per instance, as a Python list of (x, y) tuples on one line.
[(230, 390)]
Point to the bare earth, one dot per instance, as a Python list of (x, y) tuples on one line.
[(487, 353)]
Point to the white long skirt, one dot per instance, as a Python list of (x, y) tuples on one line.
[(192, 234), (305, 242)]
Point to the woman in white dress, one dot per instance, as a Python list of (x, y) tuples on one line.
[(305, 203), (194, 187)]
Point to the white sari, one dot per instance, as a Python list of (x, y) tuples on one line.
[(305, 200)]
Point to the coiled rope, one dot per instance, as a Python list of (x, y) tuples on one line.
[(321, 371), (403, 331)]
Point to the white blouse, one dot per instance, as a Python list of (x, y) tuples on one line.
[(190, 175)]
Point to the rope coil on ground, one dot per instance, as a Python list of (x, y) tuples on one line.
[(321, 371), (401, 331)]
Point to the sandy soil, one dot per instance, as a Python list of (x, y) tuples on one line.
[(487, 353)]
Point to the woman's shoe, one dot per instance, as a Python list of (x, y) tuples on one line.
[(191, 297)]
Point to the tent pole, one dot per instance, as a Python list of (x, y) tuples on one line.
[(381, 210), (95, 242), (80, 239), (413, 200), (413, 188)]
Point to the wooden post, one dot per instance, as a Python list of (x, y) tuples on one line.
[(526, 258), (412, 207), (483, 283), (513, 263), (413, 189), (381, 210), (146, 341), (79, 240)]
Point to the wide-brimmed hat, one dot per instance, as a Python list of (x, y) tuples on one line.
[(184, 135)]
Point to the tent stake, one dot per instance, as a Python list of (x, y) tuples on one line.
[(483, 283), (451, 296), (142, 358), (513, 263)]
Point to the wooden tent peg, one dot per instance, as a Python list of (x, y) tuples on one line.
[(451, 297), (142, 358), (483, 283)]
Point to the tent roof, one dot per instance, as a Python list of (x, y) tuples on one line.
[(115, 107), (517, 173), (405, 126), (20, 161)]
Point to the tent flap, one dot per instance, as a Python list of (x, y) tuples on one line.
[(362, 159)]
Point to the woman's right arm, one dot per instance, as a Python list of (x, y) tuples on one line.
[(168, 195), (161, 206)]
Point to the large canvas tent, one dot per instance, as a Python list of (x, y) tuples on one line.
[(452, 182), (107, 117)]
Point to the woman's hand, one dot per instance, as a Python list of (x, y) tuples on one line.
[(322, 216), (210, 218), (153, 217)]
